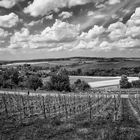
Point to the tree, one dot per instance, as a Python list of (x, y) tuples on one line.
[(15, 77), (59, 81), (124, 83), (34, 82)]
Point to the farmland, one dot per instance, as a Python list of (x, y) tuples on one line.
[(99, 81), (79, 62), (98, 114), (59, 100)]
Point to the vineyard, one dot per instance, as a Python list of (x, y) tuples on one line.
[(100, 114)]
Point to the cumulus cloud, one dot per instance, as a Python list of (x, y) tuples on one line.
[(9, 21), (3, 33), (65, 14), (65, 36), (84, 44), (126, 43), (43, 7), (117, 31), (94, 32), (135, 18), (9, 3), (20, 39), (60, 32)]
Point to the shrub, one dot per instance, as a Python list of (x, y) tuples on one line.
[(124, 83), (136, 84), (80, 86)]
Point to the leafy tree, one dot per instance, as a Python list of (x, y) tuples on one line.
[(15, 77), (124, 83), (34, 82), (59, 81)]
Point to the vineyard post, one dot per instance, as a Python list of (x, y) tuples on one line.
[(44, 107), (20, 108), (55, 105), (98, 102), (49, 106), (66, 111), (90, 107), (74, 105), (115, 110), (23, 104), (59, 107), (5, 105)]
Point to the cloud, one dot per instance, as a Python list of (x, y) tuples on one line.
[(94, 32), (9, 21), (44, 7), (135, 18), (117, 31), (65, 15), (84, 44), (3, 33), (65, 36), (58, 34), (126, 43), (112, 2), (49, 17), (9, 3), (20, 39), (90, 13), (33, 23), (61, 31)]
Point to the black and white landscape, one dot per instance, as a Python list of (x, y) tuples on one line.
[(69, 70)]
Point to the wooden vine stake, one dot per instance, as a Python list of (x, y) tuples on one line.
[(5, 105), (44, 107), (66, 111)]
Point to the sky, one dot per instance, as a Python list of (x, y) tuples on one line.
[(35, 29)]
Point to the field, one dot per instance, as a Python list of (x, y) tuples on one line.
[(97, 81), (99, 114), (89, 79), (80, 62)]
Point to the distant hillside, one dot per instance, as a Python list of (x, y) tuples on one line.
[(99, 59)]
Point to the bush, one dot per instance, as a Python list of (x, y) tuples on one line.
[(136, 84), (124, 83), (80, 86)]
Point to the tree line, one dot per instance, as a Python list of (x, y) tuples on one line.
[(58, 80)]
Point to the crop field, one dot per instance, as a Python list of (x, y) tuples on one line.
[(91, 79), (98, 114)]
